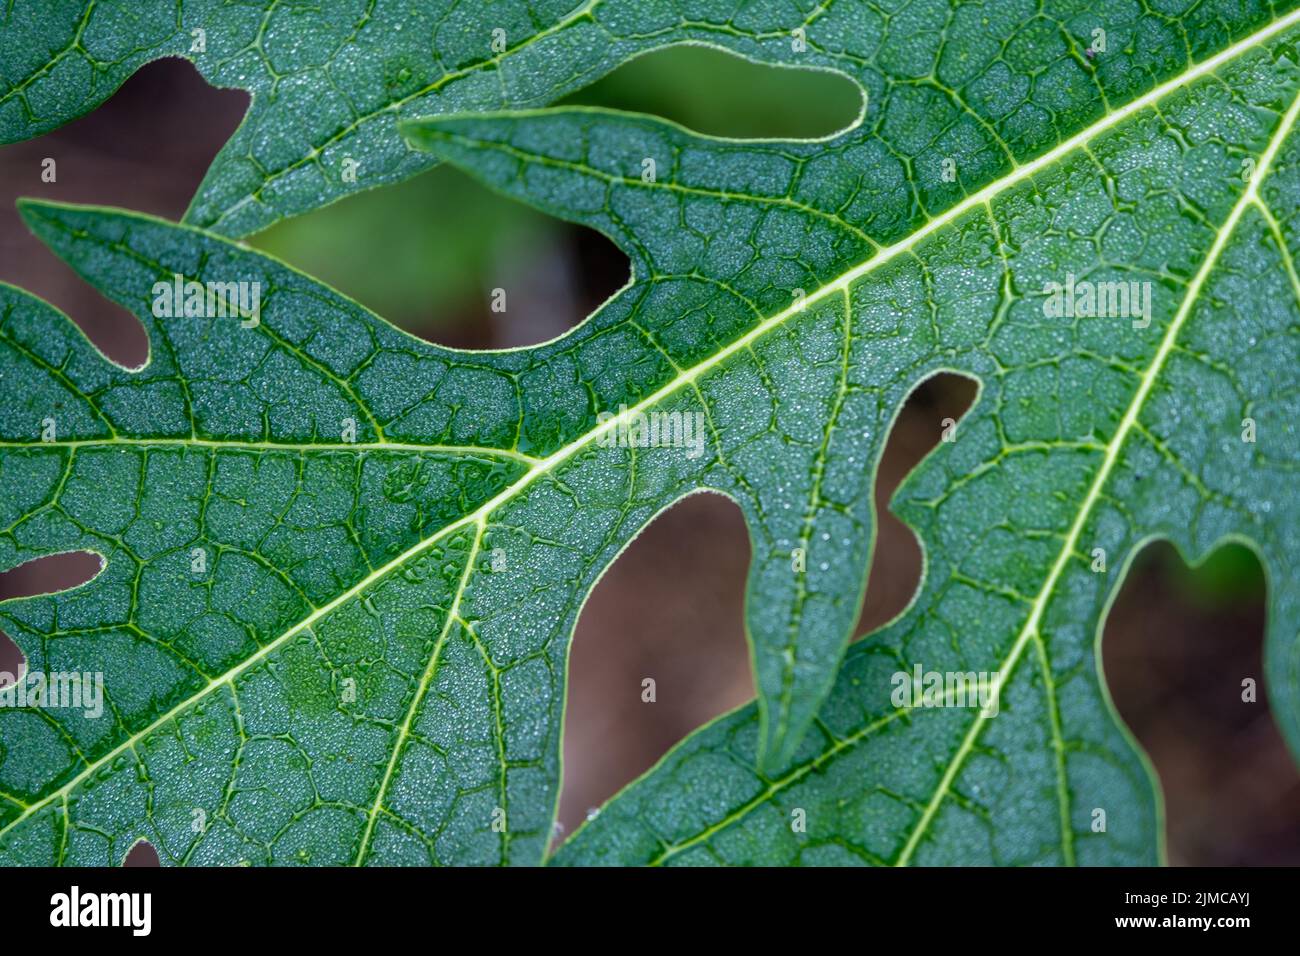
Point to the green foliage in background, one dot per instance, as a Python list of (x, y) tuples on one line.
[(379, 248)]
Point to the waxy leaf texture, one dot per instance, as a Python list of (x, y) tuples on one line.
[(342, 566)]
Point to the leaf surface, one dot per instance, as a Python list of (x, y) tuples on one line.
[(370, 667), (1091, 436), (331, 81)]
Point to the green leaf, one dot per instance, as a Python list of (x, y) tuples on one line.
[(1092, 434), (274, 592), (335, 650), (370, 666), (330, 81)]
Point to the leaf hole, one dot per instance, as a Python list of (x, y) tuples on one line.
[(445, 258), (49, 574), (717, 93), (119, 154), (13, 663), (141, 854), (670, 608), (919, 427), (1177, 644)]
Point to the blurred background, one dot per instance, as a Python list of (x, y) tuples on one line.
[(426, 254)]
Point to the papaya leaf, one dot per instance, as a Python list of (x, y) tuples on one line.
[(342, 566), (329, 82), (1130, 305)]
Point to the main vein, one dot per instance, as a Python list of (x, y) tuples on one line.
[(1030, 631), (261, 447)]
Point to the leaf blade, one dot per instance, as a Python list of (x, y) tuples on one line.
[(518, 757), (651, 822)]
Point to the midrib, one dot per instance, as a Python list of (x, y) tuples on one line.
[(689, 376), (236, 444), (1248, 198)]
